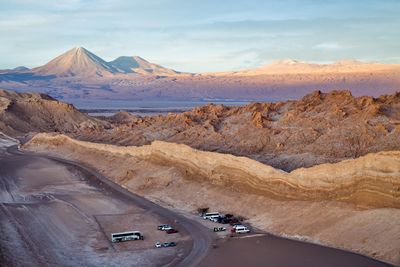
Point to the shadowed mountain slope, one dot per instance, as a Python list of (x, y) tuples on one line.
[(137, 64), (33, 112)]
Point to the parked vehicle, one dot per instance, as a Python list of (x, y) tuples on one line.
[(219, 229), (164, 227), (215, 219), (240, 229), (172, 231), (234, 221), (210, 215), (165, 244), (126, 236)]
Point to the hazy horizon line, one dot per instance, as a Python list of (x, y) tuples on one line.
[(266, 62)]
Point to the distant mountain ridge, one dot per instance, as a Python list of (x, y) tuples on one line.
[(136, 64), (291, 66), (83, 63), (79, 73), (79, 61)]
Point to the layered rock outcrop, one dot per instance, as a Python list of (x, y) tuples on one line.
[(371, 180), (302, 204)]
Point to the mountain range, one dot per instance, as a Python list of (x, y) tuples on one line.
[(78, 73), (82, 63)]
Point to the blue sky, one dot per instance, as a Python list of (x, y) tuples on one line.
[(204, 35)]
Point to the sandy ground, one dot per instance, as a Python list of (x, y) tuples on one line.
[(247, 251), (373, 232), (51, 215)]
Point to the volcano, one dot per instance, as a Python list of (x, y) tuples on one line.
[(77, 62)]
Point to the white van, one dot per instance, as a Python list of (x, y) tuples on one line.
[(211, 215), (241, 229)]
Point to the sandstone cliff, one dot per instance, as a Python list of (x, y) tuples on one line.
[(301, 204), (371, 180)]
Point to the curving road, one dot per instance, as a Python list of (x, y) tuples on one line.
[(30, 206), (200, 236)]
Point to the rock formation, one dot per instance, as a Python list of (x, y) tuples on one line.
[(319, 128), (34, 112), (371, 180), (352, 204)]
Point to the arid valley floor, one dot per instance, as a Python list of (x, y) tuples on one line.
[(319, 173), (175, 133)]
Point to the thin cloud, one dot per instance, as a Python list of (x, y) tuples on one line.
[(200, 36)]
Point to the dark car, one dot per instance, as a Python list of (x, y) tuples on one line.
[(169, 244), (165, 244), (234, 221), (228, 219), (224, 220), (172, 231)]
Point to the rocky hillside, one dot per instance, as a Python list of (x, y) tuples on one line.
[(34, 112), (319, 128), (315, 204), (370, 180)]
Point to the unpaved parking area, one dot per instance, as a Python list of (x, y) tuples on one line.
[(53, 214), (146, 223)]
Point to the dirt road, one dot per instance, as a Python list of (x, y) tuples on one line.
[(55, 212), (62, 213)]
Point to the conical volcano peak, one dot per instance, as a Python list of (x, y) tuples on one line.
[(77, 61), (80, 62), (79, 50)]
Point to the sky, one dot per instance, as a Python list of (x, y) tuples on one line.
[(201, 36)]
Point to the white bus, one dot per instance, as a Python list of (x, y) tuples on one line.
[(211, 215), (126, 236)]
